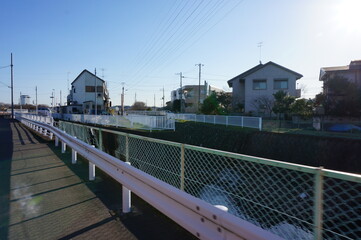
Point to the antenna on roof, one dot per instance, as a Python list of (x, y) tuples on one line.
[(260, 51)]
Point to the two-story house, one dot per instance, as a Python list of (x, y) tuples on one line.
[(262, 81), (350, 72), (88, 94)]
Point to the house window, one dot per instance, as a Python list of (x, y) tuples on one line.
[(280, 84), (74, 90), (92, 88), (260, 84)]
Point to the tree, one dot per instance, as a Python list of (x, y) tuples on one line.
[(343, 98), (224, 99), (302, 107), (263, 104), (176, 106), (138, 106), (210, 104), (282, 103)]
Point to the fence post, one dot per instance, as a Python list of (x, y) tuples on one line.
[(126, 197), (127, 148), (226, 121), (260, 124), (182, 167), (318, 205), (100, 141)]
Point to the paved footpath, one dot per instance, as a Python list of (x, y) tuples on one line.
[(43, 196)]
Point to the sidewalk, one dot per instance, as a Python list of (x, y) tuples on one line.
[(43, 196)]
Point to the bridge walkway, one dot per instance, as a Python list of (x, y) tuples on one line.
[(44, 196)]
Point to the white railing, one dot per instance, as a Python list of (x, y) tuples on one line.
[(128, 121), (198, 217), (240, 121), (149, 113)]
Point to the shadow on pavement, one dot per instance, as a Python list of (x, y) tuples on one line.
[(6, 150)]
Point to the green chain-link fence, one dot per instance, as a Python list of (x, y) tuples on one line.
[(292, 201)]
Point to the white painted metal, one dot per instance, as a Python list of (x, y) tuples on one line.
[(198, 217), (63, 147), (126, 198), (74, 156)]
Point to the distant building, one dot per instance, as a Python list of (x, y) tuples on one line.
[(190, 95), (262, 80), (350, 72), (24, 99), (87, 93)]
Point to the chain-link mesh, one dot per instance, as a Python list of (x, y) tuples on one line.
[(159, 160), (277, 198), (342, 209)]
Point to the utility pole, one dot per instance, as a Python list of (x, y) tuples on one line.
[(260, 51), (68, 80), (163, 96), (122, 100), (12, 87), (154, 102), (21, 106), (135, 97), (36, 100), (60, 98), (199, 84), (181, 91), (52, 100), (96, 93)]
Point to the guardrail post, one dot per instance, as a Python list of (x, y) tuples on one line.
[(63, 147), (318, 205), (214, 119), (56, 141), (241, 121), (91, 171), (204, 118), (182, 168), (126, 197), (260, 124), (226, 121), (74, 156)]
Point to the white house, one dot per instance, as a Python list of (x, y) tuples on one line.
[(261, 82), (24, 99), (88, 91), (190, 95)]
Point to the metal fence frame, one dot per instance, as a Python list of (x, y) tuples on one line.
[(239, 121), (323, 180), (198, 217), (128, 121)]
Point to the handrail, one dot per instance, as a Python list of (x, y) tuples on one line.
[(198, 217)]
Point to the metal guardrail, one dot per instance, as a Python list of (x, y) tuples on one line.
[(293, 201), (198, 217), (128, 121), (240, 121)]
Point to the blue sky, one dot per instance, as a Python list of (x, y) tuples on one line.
[(144, 43)]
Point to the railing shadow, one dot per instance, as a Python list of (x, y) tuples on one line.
[(6, 150), (154, 225)]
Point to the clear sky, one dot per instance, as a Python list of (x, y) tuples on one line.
[(144, 43)]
